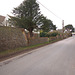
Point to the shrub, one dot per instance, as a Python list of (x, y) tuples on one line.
[(43, 34), (52, 34)]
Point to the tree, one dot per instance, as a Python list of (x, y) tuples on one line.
[(26, 15), (47, 24), (69, 27), (54, 27)]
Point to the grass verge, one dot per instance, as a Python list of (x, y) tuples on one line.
[(13, 52)]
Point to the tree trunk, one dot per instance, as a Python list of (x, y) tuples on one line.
[(30, 32)]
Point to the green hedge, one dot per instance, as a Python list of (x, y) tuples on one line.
[(49, 34), (43, 34), (52, 34)]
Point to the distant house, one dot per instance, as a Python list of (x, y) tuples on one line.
[(2, 20), (60, 30)]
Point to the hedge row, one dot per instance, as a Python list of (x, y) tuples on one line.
[(55, 34)]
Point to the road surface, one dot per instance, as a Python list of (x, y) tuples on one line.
[(54, 59)]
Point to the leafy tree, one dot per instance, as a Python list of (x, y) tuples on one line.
[(54, 27), (47, 24), (26, 15), (69, 27)]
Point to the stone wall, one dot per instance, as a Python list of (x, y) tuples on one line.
[(38, 41), (11, 38)]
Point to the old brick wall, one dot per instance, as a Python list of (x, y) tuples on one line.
[(11, 38)]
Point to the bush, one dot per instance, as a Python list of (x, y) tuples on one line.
[(55, 34), (52, 34), (43, 34)]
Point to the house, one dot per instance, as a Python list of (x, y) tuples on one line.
[(2, 20), (60, 30)]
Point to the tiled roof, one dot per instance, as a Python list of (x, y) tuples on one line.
[(2, 18)]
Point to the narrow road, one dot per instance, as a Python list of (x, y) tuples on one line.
[(54, 59)]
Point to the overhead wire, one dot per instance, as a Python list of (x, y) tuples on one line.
[(48, 10)]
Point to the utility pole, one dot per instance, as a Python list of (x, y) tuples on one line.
[(63, 26)]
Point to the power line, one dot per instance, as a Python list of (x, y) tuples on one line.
[(48, 10)]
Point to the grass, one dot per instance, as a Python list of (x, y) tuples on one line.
[(21, 49), (12, 51)]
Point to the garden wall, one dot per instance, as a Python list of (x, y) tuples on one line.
[(38, 41), (11, 38)]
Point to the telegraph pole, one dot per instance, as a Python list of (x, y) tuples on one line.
[(63, 26)]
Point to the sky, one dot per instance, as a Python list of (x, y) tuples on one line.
[(65, 9)]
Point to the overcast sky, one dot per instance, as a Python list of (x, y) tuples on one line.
[(65, 9)]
